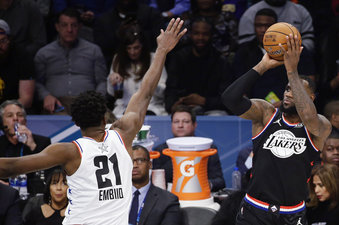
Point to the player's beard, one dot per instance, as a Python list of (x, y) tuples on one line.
[(290, 110)]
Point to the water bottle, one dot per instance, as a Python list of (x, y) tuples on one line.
[(236, 179), (118, 90), (13, 182), (21, 137), (22, 180)]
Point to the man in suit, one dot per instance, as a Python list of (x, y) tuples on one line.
[(150, 205), (10, 213), (11, 112)]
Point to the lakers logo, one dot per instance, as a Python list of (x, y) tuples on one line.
[(283, 144)]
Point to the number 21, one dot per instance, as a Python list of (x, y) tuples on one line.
[(102, 163)]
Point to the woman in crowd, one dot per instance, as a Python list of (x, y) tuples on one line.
[(52, 212), (129, 67), (323, 207)]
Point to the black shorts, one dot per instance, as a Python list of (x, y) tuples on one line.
[(249, 214)]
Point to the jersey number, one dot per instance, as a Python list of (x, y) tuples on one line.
[(102, 163)]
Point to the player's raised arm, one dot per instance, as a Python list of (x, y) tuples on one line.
[(257, 110), (136, 109), (302, 93)]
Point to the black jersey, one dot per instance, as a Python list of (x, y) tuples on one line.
[(282, 162)]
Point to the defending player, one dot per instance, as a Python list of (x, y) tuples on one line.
[(99, 166), (285, 143)]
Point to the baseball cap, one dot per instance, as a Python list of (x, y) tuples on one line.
[(4, 26)]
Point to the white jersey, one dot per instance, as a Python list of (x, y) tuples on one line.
[(100, 191)]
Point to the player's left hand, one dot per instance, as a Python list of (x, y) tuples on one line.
[(292, 55)]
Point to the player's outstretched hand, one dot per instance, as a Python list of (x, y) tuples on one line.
[(292, 55), (171, 36)]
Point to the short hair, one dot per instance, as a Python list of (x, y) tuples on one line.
[(329, 176), (184, 108), (137, 147), (70, 12), (333, 135), (11, 102), (267, 12), (331, 108), (47, 193), (202, 19), (310, 82), (88, 109)]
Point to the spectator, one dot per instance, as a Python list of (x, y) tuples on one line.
[(323, 207), (52, 211), (288, 12), (17, 70), (272, 82), (151, 205), (225, 25), (330, 152), (331, 112), (329, 62), (68, 66), (11, 111), (129, 67), (108, 23), (197, 74), (10, 213), (184, 123), (28, 29), (169, 8)]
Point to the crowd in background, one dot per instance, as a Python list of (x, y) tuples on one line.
[(56, 49)]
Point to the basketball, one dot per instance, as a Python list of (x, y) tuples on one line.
[(276, 34)]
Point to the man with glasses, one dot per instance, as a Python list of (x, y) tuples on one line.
[(16, 66), (150, 205)]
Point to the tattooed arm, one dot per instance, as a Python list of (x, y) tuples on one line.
[(303, 96)]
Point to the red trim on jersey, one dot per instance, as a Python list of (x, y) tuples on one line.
[(268, 123), (122, 140), (78, 147), (309, 138), (285, 120)]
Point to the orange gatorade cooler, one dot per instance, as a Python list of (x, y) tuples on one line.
[(189, 157)]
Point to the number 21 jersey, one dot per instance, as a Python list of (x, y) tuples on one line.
[(99, 191)]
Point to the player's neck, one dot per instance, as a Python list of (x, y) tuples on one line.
[(292, 118), (97, 133)]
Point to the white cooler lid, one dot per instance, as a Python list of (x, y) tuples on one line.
[(189, 143)]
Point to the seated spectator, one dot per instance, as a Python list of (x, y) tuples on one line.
[(68, 66), (225, 25), (11, 112), (150, 205), (129, 67), (271, 85), (323, 207), (197, 73), (17, 70), (26, 23), (106, 25), (331, 112), (52, 212), (288, 12), (330, 152), (10, 212), (329, 66), (169, 8), (184, 123)]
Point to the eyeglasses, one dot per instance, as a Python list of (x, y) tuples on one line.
[(4, 41), (140, 160)]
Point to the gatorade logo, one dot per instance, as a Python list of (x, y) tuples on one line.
[(187, 168)]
